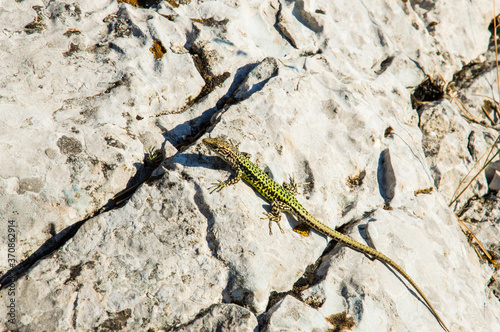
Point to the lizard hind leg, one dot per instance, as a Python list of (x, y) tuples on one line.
[(277, 208), (273, 218)]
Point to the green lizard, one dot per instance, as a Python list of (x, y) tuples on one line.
[(283, 199)]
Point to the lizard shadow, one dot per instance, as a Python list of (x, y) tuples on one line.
[(333, 249), (363, 230)]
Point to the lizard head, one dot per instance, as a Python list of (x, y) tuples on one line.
[(223, 149)]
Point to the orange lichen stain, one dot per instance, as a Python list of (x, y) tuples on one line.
[(387, 207), (173, 3), (356, 180), (341, 321), (134, 3), (157, 49), (423, 191), (388, 131)]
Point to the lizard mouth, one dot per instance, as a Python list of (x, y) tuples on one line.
[(213, 143), (208, 141)]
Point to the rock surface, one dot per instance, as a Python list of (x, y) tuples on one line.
[(317, 89)]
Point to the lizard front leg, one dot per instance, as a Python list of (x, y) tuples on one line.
[(218, 186), (292, 187), (302, 228)]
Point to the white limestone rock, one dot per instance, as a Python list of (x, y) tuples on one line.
[(339, 202), (73, 93), (459, 31), (452, 147), (298, 24), (146, 265), (481, 215), (318, 89), (292, 315), (494, 183), (224, 318), (351, 280)]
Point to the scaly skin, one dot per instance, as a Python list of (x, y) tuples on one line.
[(283, 200)]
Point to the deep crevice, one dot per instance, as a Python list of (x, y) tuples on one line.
[(431, 89), (203, 312), (198, 126), (212, 243), (144, 3), (59, 240), (49, 247), (277, 27)]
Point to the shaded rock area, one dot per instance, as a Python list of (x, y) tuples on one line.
[(378, 109)]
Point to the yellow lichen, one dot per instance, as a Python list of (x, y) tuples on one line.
[(157, 49)]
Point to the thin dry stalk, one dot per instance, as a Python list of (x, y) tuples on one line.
[(464, 109), (491, 234), (467, 175), (477, 174), (487, 115), (471, 235)]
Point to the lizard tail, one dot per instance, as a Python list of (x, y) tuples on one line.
[(395, 266), (380, 256)]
